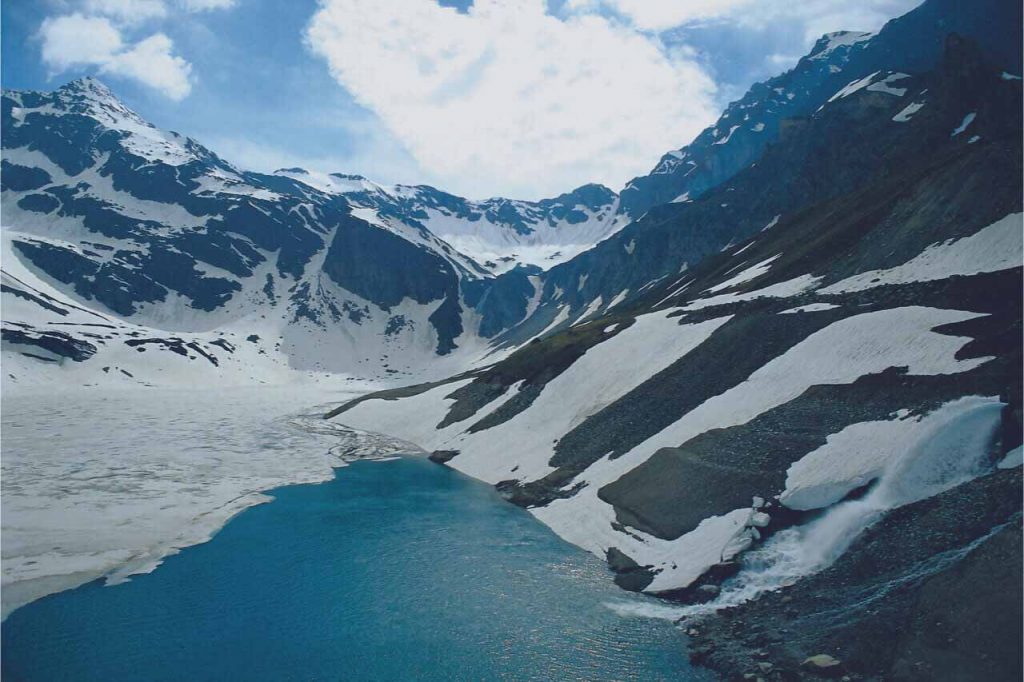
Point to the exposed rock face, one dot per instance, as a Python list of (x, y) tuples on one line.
[(443, 456), (912, 43), (53, 346), (850, 141), (629, 575)]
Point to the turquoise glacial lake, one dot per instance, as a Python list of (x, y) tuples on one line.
[(395, 570)]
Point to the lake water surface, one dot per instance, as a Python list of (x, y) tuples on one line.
[(394, 570)]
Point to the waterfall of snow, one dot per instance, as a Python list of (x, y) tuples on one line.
[(954, 448)]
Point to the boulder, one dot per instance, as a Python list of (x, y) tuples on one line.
[(442, 456), (823, 665)]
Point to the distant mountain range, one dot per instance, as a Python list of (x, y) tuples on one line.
[(152, 229)]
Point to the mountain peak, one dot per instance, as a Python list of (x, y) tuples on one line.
[(90, 87), (592, 195), (829, 42), (348, 176), (89, 98), (92, 97)]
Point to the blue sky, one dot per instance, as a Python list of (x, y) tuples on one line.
[(522, 98)]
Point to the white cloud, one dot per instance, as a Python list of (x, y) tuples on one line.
[(152, 63), (135, 11), (507, 97), (659, 15), (128, 11), (815, 17), (75, 40), (207, 5), (818, 17)]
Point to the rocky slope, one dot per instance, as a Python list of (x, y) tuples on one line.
[(669, 233), (912, 43), (932, 591)]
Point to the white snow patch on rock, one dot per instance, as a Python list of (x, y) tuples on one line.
[(838, 354), (853, 86), (968, 119), (810, 308), (619, 298), (908, 111), (791, 287), (728, 136), (562, 316), (993, 248), (861, 452), (885, 85), (1013, 458), (746, 275), (522, 447), (592, 308), (744, 249)]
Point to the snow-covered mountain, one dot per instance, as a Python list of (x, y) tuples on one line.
[(821, 120), (497, 233), (912, 43), (800, 415), (332, 273)]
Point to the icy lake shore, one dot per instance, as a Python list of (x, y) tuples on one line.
[(396, 570), (107, 483)]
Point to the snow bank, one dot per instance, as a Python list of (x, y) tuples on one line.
[(167, 470), (753, 272), (908, 112), (838, 354), (886, 85), (810, 308), (853, 86), (521, 447), (791, 287), (968, 120), (862, 452), (993, 248)]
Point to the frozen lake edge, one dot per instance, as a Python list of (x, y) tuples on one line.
[(108, 483)]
